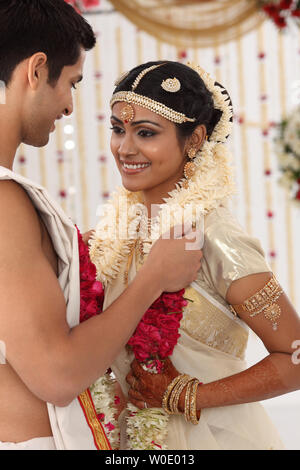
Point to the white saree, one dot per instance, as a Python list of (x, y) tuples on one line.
[(75, 426), (213, 342)]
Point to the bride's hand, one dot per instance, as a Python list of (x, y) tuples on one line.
[(149, 388)]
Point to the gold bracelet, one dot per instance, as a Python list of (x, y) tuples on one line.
[(187, 401), (165, 400), (176, 392), (193, 403)]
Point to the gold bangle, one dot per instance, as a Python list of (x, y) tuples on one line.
[(176, 392), (187, 401), (193, 403), (165, 400)]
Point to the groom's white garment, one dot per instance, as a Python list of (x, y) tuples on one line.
[(69, 424)]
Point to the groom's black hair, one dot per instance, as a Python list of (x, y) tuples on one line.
[(50, 26)]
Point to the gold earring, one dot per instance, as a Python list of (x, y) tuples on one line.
[(190, 167), (192, 153), (189, 170)]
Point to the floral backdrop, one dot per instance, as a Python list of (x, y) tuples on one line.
[(261, 72)]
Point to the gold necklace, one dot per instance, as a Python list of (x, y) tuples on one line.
[(138, 243)]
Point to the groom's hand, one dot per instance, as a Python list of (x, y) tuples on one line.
[(173, 261), (87, 235)]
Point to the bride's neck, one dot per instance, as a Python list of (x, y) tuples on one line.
[(154, 197), (152, 204)]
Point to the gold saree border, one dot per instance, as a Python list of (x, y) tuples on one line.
[(88, 408)]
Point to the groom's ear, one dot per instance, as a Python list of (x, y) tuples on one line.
[(37, 70)]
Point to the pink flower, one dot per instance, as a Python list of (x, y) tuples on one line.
[(110, 426), (90, 3)]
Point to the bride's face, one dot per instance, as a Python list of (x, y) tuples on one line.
[(150, 142)]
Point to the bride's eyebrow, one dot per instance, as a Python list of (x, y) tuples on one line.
[(145, 121), (135, 123)]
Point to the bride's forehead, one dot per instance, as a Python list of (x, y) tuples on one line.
[(140, 113)]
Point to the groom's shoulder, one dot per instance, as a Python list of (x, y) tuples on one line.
[(18, 215)]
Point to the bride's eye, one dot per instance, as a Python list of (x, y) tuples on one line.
[(146, 133), (116, 129)]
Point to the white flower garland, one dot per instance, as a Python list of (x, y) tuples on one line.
[(147, 429), (103, 395)]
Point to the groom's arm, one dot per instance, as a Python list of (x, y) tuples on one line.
[(55, 362)]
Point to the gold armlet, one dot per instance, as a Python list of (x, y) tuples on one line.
[(264, 301)]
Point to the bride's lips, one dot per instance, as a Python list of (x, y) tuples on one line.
[(133, 171)]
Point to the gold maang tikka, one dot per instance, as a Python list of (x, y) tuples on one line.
[(127, 113)]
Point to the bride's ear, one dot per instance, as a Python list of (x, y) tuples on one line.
[(198, 136)]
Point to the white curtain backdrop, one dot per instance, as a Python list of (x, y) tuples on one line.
[(261, 73)]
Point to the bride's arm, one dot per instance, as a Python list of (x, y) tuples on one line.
[(277, 374)]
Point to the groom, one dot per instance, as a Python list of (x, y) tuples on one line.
[(51, 359)]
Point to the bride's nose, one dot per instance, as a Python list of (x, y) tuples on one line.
[(127, 146)]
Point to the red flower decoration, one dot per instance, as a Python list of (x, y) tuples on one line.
[(279, 12), (157, 333), (63, 193), (81, 5), (91, 291), (285, 4)]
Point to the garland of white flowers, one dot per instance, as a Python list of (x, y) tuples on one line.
[(103, 395), (210, 186)]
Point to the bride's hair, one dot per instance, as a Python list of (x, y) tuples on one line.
[(193, 99)]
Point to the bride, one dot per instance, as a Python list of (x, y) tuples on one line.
[(170, 123)]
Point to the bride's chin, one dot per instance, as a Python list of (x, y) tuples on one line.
[(131, 187)]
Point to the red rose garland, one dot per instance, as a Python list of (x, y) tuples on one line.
[(91, 291), (157, 333)]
